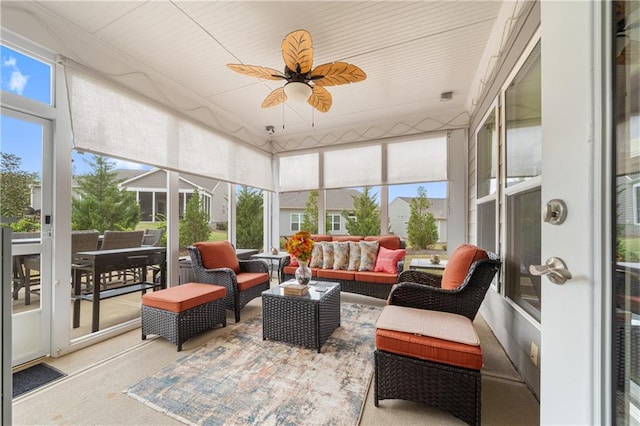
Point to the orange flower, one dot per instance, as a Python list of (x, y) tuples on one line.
[(300, 245)]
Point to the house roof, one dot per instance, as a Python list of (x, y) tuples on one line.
[(438, 206), (336, 199), (132, 178)]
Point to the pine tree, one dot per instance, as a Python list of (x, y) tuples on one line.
[(422, 230), (249, 219), (310, 217), (194, 226), (102, 205), (365, 218)]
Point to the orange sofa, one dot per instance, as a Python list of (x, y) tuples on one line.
[(376, 275)]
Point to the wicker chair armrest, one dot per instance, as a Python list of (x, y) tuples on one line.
[(253, 265), (420, 296), (420, 277), (215, 276)]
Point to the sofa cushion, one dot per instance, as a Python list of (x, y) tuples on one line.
[(316, 256), (431, 335), (368, 254), (319, 238), (340, 255), (458, 265), (336, 274), (218, 254), (392, 242), (377, 277), (327, 255), (343, 238), (387, 260), (354, 256)]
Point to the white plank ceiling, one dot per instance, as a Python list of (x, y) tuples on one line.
[(176, 53)]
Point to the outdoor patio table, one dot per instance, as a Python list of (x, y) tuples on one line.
[(272, 260), (100, 261)]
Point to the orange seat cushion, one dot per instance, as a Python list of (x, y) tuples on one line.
[(218, 254), (377, 277), (336, 274), (183, 297), (291, 270), (458, 265), (251, 279), (430, 335)]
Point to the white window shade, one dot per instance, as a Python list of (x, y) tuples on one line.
[(299, 172), (422, 160), (353, 167), (108, 122), (113, 122)]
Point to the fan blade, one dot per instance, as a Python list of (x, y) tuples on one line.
[(257, 71), (297, 51), (336, 73), (320, 99), (274, 98)]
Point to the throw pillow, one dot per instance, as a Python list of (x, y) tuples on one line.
[(340, 255), (368, 254), (354, 256), (218, 254), (458, 265), (387, 260), (327, 255), (316, 256)]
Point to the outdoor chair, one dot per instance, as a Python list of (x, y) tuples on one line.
[(217, 263), (459, 290), (427, 348), (23, 265), (152, 237), (118, 240), (85, 240)]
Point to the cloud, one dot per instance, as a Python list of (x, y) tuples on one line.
[(17, 80)]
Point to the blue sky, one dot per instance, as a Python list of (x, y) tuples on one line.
[(30, 78)]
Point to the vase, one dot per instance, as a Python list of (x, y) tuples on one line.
[(303, 274)]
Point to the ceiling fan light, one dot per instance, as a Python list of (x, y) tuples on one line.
[(297, 91)]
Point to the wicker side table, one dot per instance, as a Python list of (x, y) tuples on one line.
[(306, 320)]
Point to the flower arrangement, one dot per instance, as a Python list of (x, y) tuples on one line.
[(300, 245)]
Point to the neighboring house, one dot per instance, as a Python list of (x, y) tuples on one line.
[(400, 211), (292, 206), (150, 187), (628, 200)]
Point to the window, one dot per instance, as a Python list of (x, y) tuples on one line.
[(523, 192), (486, 169), (26, 76), (636, 204), (296, 221), (523, 122), (333, 221)]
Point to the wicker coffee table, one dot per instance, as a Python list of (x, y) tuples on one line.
[(305, 320)]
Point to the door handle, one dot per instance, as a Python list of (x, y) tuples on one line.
[(555, 269)]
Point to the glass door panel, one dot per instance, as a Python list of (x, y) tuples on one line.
[(25, 206)]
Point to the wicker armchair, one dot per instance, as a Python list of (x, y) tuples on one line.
[(418, 289), (216, 263)]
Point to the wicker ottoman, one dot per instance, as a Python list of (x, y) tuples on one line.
[(430, 357), (179, 313)]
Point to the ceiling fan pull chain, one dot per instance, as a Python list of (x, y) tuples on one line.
[(313, 118), (283, 116)]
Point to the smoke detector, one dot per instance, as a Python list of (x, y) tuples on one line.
[(446, 96)]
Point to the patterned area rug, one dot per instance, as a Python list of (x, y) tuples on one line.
[(241, 379)]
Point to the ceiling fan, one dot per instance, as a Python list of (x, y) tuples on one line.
[(303, 82)]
